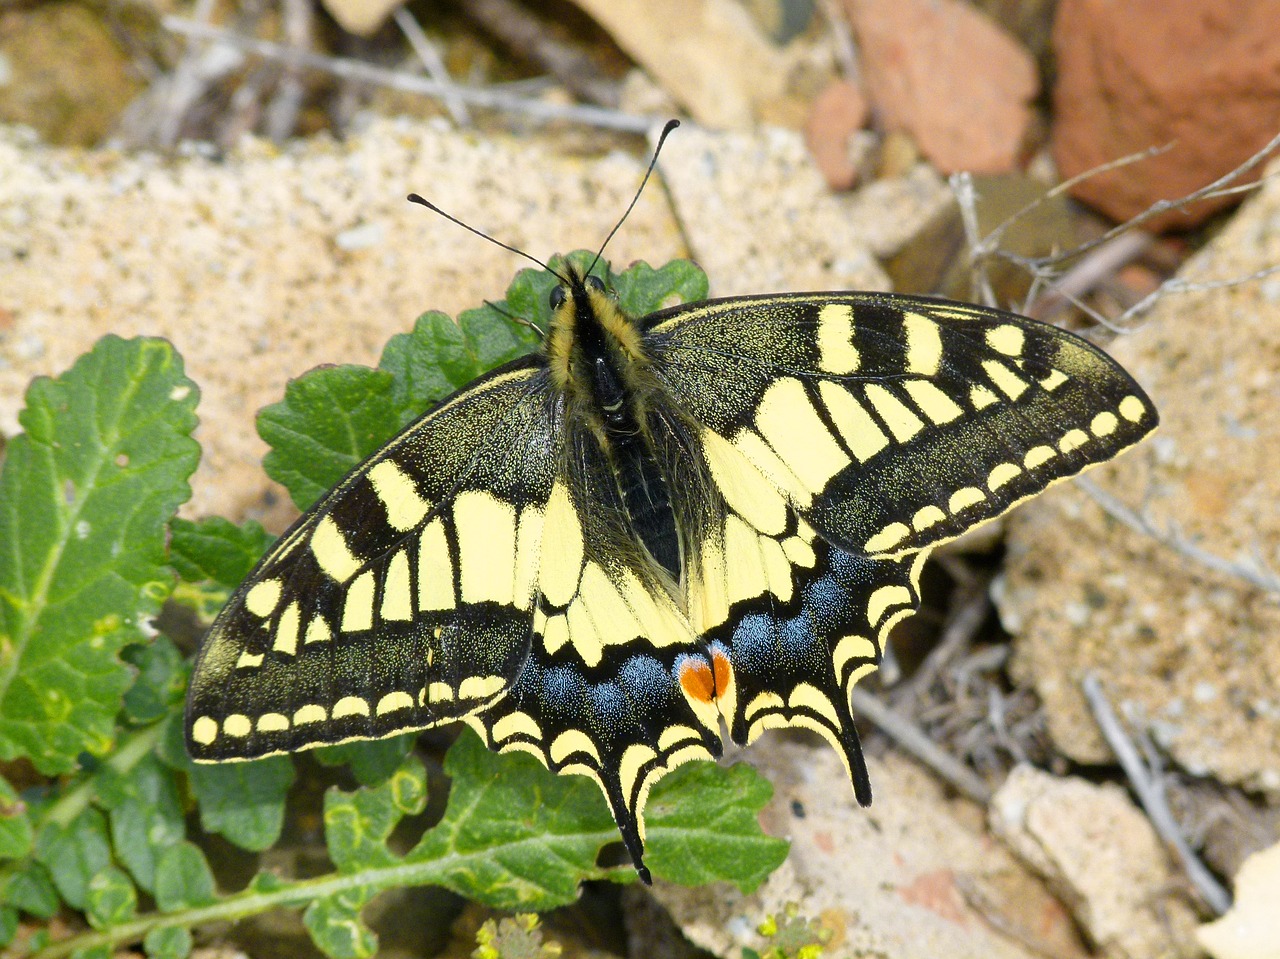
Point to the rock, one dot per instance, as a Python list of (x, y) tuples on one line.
[(1186, 652), (1251, 928), (1201, 77), (950, 76), (760, 218), (894, 881), (270, 261), (836, 114), (1100, 855), (361, 17)]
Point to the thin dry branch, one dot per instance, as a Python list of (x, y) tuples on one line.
[(1149, 788), (280, 118), (487, 98), (432, 62)]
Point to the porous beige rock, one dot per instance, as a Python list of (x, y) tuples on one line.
[(1100, 855), (1251, 927), (1200, 77), (1184, 651), (950, 76)]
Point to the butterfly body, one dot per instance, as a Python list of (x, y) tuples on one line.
[(602, 551)]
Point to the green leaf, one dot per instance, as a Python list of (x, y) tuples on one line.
[(703, 825), (357, 824), (112, 898), (145, 814), (216, 550), (16, 832), (244, 801), (642, 289), (29, 887), (8, 925), (85, 495), (160, 683), (329, 420), (170, 942), (74, 854), (336, 927), (93, 952), (428, 364), (371, 761), (183, 879)]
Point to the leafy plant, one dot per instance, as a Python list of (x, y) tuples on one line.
[(97, 789)]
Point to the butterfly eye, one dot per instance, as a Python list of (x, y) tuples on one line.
[(595, 283), (556, 299)]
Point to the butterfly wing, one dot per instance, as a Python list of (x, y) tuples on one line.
[(404, 599)]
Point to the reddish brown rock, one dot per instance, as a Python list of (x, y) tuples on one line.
[(1201, 76), (836, 114), (949, 76)]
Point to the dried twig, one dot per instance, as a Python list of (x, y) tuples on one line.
[(1176, 285), (281, 115), (1259, 576), (969, 609), (1149, 789), (904, 732), (487, 98), (431, 61), (1094, 267)]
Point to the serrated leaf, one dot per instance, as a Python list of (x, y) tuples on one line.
[(703, 825), (145, 814), (357, 824), (85, 495), (28, 886), (244, 802), (216, 550), (170, 942), (112, 898), (16, 832), (329, 420), (642, 289), (160, 683), (336, 927), (74, 854), (183, 878), (428, 364), (371, 761)]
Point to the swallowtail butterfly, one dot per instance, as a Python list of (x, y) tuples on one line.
[(653, 525)]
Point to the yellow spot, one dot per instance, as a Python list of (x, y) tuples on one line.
[(405, 507), (1038, 456), (777, 568), (934, 403), (357, 609), (1001, 475), (309, 714), (1007, 339), (273, 723), (397, 599), (392, 702), (860, 432), (924, 344), (1009, 383), (1132, 409), (1073, 439), (885, 597), (634, 758), (902, 423), (813, 699), (887, 538), (516, 724), (555, 633), (435, 569), (286, 640), (350, 706), (851, 647), (204, 730), (743, 486), (263, 598), (762, 702), (438, 692), (750, 444), (836, 352), (858, 672), (318, 631), (965, 497), (486, 547), (480, 687), (528, 544), (331, 552), (238, 725), (249, 660), (673, 735), (1053, 380), (789, 423), (981, 397), (560, 565), (572, 741), (1104, 424), (799, 552), (927, 516)]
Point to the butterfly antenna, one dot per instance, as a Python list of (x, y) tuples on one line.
[(662, 137), (415, 198)]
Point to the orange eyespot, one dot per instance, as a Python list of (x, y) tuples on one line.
[(705, 681)]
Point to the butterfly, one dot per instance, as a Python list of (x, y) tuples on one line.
[(650, 527)]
